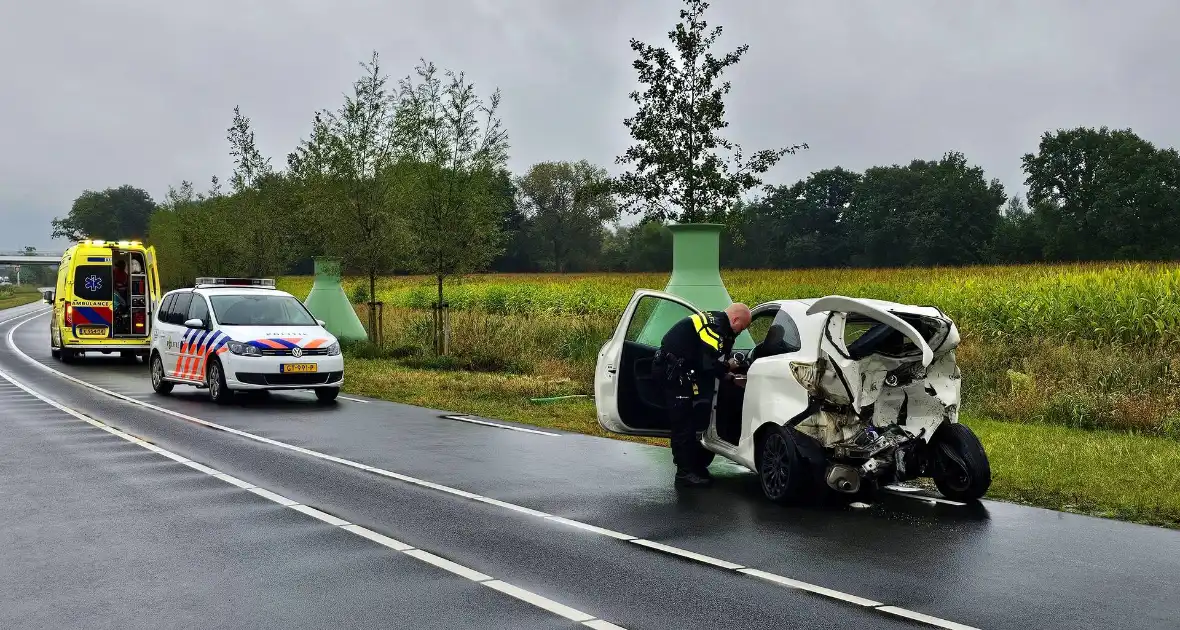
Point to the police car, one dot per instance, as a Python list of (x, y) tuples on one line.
[(231, 334)]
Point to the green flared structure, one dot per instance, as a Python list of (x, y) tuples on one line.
[(328, 302), (696, 277)]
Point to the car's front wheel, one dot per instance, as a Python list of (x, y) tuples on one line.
[(159, 385), (218, 390), (327, 394), (780, 469), (961, 470)]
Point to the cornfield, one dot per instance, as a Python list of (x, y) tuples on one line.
[(1101, 303)]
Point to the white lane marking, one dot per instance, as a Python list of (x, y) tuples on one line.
[(230, 479), (380, 539), (393, 475), (499, 426), (352, 399), (539, 601), (590, 528), (320, 514), (447, 565), (598, 624), (916, 616), (901, 488), (419, 554), (267, 494), (804, 586), (692, 555)]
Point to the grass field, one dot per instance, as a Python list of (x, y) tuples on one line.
[(13, 296), (1079, 362)]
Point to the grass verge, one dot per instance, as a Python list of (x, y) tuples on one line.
[(1101, 473), (18, 297)]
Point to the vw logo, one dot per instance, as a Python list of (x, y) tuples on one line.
[(296, 352)]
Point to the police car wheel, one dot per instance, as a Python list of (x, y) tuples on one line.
[(218, 390), (159, 385)]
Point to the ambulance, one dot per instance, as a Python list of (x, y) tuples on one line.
[(105, 294)]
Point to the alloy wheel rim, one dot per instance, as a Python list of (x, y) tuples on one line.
[(157, 372), (214, 381), (775, 476)]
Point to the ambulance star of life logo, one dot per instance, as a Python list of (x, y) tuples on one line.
[(93, 283), (296, 352)]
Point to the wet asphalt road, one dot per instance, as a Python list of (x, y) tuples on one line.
[(185, 547)]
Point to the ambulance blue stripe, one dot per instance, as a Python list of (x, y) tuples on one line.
[(284, 342)]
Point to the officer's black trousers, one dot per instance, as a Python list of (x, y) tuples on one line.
[(685, 419)]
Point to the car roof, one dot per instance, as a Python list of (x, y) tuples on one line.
[(233, 291)]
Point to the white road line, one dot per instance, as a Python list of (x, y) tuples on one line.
[(353, 399), (846, 597), (539, 601), (334, 521), (916, 616), (499, 426), (691, 555), (804, 586), (590, 528)]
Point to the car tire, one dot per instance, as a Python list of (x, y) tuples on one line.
[(959, 464), (219, 392), (159, 385), (327, 395), (68, 356), (780, 468), (129, 357)]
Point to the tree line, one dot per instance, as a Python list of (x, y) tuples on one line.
[(411, 177)]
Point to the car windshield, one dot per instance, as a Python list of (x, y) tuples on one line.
[(260, 310)]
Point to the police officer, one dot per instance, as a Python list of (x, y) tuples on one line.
[(692, 353)]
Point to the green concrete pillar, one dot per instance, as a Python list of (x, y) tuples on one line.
[(696, 277), (328, 302)]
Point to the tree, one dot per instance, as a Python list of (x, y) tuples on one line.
[(567, 208), (459, 145), (264, 241), (249, 164), (350, 167), (926, 213), (1099, 193), (679, 173), (113, 214)]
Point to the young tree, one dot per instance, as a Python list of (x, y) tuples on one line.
[(679, 173), (458, 145), (263, 241), (567, 211), (348, 166)]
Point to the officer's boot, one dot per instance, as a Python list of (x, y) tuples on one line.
[(692, 479)]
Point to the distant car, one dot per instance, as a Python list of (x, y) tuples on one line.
[(230, 334), (851, 393)]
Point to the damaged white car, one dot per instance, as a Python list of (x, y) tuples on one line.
[(849, 393)]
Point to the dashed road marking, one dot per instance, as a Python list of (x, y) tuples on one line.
[(349, 398), (668, 549), (497, 425), (421, 555)]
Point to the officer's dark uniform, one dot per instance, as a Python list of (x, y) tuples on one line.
[(692, 353)]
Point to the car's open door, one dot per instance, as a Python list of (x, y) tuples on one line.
[(628, 396), (862, 341), (153, 275)]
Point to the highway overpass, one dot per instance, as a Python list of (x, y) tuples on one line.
[(30, 259)]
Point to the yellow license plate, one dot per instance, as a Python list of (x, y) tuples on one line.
[(287, 368), (92, 331)]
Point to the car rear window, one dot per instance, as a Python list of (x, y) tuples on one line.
[(93, 282)]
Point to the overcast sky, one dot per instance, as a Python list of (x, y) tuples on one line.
[(99, 94)]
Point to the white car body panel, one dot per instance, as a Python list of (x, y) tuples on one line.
[(774, 395)]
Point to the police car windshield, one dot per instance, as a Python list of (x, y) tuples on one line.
[(260, 310)]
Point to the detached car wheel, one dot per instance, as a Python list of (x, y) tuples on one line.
[(960, 467), (218, 390), (780, 469), (159, 385)]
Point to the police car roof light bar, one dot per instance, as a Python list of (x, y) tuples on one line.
[(236, 282)]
